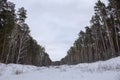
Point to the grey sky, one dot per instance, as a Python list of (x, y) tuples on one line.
[(56, 23)]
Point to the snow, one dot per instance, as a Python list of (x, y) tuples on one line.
[(101, 70)]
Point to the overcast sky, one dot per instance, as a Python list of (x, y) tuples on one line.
[(55, 24)]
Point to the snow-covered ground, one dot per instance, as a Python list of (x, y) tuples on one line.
[(102, 70)]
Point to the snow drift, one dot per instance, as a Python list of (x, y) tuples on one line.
[(101, 70)]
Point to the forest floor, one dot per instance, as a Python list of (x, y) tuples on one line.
[(101, 70)]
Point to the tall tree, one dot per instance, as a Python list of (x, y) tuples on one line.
[(101, 40)]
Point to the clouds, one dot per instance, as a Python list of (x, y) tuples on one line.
[(56, 23)]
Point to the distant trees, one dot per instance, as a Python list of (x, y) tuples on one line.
[(101, 40), (16, 44)]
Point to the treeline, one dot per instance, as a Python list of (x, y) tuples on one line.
[(100, 40), (16, 44)]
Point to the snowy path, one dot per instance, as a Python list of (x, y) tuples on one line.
[(106, 70)]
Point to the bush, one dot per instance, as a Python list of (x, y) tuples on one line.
[(17, 72)]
